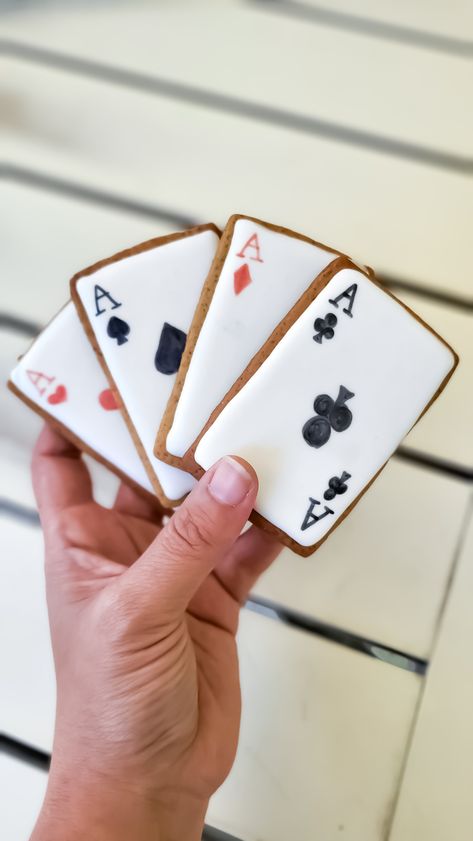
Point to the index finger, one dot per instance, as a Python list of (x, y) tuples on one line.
[(130, 501), (60, 477)]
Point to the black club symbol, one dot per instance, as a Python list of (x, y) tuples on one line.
[(330, 415), (324, 327), (337, 485)]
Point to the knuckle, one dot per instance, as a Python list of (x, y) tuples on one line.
[(189, 531)]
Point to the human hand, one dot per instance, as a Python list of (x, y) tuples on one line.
[(143, 621)]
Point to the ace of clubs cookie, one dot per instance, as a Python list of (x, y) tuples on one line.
[(137, 308), (323, 411), (259, 272), (59, 377)]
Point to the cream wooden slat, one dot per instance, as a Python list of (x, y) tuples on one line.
[(324, 728), (27, 697), (15, 481), (46, 238), (383, 572), (22, 788), (435, 798), (242, 50), (323, 735), (445, 431), (406, 219), (452, 20)]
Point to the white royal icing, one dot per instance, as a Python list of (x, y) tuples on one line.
[(154, 287), (381, 354), (281, 267), (66, 381)]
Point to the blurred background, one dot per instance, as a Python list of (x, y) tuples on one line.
[(350, 122)]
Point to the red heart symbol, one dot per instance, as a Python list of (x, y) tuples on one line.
[(58, 396), (108, 400)]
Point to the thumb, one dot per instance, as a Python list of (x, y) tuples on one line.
[(166, 577)]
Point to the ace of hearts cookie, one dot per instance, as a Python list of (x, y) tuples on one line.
[(136, 309), (259, 272), (324, 404), (60, 379)]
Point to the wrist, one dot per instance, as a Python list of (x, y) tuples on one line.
[(79, 810), (92, 808), (181, 817)]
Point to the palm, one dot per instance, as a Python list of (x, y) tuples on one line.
[(159, 691), (101, 544), (115, 538)]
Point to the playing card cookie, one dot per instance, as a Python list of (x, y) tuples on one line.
[(325, 402), (259, 272), (136, 308), (59, 378)]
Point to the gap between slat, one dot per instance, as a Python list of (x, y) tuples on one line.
[(60, 186), (228, 104), (347, 639), (369, 26)]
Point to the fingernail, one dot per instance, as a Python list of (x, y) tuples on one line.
[(230, 482)]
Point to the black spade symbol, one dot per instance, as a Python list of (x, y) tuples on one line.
[(170, 349), (118, 329)]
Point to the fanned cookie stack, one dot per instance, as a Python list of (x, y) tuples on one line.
[(257, 342)]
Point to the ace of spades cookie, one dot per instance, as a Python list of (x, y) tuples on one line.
[(60, 379), (136, 308), (324, 407)]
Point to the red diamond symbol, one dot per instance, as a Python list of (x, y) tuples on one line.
[(241, 278)]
